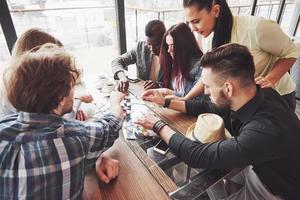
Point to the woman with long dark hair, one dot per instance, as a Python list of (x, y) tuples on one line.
[(179, 59), (273, 51)]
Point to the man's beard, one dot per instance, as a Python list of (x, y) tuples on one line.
[(222, 101)]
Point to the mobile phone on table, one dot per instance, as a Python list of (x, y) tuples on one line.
[(133, 80), (161, 147)]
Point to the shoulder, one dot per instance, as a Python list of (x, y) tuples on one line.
[(141, 45), (261, 122), (273, 114), (195, 62), (142, 48), (273, 99), (9, 126), (248, 19), (250, 22), (195, 65), (73, 127)]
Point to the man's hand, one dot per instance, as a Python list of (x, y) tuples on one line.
[(123, 84), (86, 98), (147, 121), (107, 168), (149, 84), (80, 115), (154, 95), (266, 82)]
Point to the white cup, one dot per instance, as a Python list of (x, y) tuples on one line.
[(108, 87), (102, 79)]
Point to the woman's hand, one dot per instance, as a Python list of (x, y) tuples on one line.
[(155, 96), (265, 82)]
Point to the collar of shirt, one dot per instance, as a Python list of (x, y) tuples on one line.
[(247, 110), (38, 118)]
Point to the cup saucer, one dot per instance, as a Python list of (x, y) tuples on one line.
[(105, 94)]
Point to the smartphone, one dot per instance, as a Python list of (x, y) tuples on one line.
[(161, 147), (133, 80)]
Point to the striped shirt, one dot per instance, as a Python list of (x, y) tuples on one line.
[(43, 156)]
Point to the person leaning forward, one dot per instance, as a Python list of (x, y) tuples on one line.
[(146, 57), (43, 155), (265, 131)]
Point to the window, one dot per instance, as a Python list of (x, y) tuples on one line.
[(289, 16), (240, 7), (139, 12), (4, 53), (86, 28), (267, 9)]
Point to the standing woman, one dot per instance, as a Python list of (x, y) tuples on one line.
[(179, 59), (273, 51)]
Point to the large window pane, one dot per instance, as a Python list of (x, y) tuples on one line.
[(289, 17), (298, 33), (139, 13), (267, 9), (87, 28), (4, 53), (240, 7)]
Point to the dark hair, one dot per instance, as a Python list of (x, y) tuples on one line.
[(41, 79), (231, 60), (155, 28), (224, 23), (185, 48)]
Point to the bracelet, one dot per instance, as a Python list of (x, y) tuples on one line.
[(167, 103), (158, 126)]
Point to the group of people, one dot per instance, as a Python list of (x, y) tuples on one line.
[(243, 67), (45, 152), (237, 68), (178, 59)]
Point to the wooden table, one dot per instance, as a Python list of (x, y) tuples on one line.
[(139, 176), (134, 180)]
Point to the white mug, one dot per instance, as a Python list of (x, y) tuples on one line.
[(108, 87), (102, 79)]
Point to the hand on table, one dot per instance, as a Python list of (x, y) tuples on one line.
[(155, 96), (107, 168), (147, 121), (149, 84), (123, 84)]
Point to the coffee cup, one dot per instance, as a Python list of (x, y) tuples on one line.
[(108, 87), (102, 79)]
